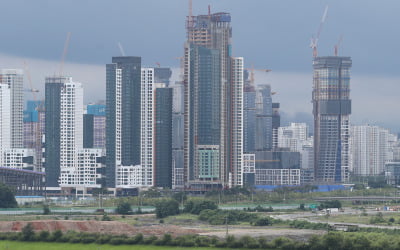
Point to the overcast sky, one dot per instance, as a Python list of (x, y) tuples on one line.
[(267, 33)]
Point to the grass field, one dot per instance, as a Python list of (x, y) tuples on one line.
[(14, 245)]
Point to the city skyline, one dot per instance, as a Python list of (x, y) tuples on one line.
[(284, 47), (213, 79)]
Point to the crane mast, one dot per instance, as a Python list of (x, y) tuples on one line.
[(314, 40)]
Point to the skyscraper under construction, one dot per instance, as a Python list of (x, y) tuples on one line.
[(213, 122), (331, 109)]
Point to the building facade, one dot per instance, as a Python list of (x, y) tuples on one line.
[(68, 165), (369, 147), (213, 121), (123, 122), (263, 124), (178, 135), (147, 126), (331, 110), (94, 126), (14, 79), (34, 125), (5, 119), (162, 136)]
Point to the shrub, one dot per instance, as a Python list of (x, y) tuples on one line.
[(46, 209), (249, 242), (265, 221), (330, 204), (167, 207), (123, 208), (116, 241), (88, 239), (27, 232), (103, 239), (150, 240), (7, 198), (196, 206), (106, 217), (56, 235), (43, 235), (75, 239), (137, 239)]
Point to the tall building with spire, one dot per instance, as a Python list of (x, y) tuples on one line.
[(213, 123), (331, 109)]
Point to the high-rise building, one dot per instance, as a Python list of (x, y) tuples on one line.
[(162, 148), (369, 147), (5, 119), (263, 123), (331, 109), (147, 126), (162, 75), (34, 123), (249, 120), (68, 165), (213, 104), (64, 127), (123, 123), (293, 136), (276, 123), (177, 136), (14, 79), (94, 126), (277, 168)]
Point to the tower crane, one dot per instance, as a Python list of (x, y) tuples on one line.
[(36, 129), (338, 45), (64, 54), (121, 49), (314, 40), (252, 73)]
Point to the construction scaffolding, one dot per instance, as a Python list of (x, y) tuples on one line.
[(23, 182)]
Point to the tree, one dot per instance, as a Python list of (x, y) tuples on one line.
[(167, 207), (180, 197), (196, 206), (46, 209), (7, 198), (27, 232), (331, 204), (124, 208)]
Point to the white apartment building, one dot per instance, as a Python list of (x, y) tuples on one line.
[(5, 120), (295, 137), (77, 167), (147, 126), (236, 174), (369, 147), (14, 79), (19, 158)]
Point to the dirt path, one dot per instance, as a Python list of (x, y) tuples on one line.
[(271, 233), (107, 227)]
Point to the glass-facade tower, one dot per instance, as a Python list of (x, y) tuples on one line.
[(331, 109), (123, 118), (213, 123)]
